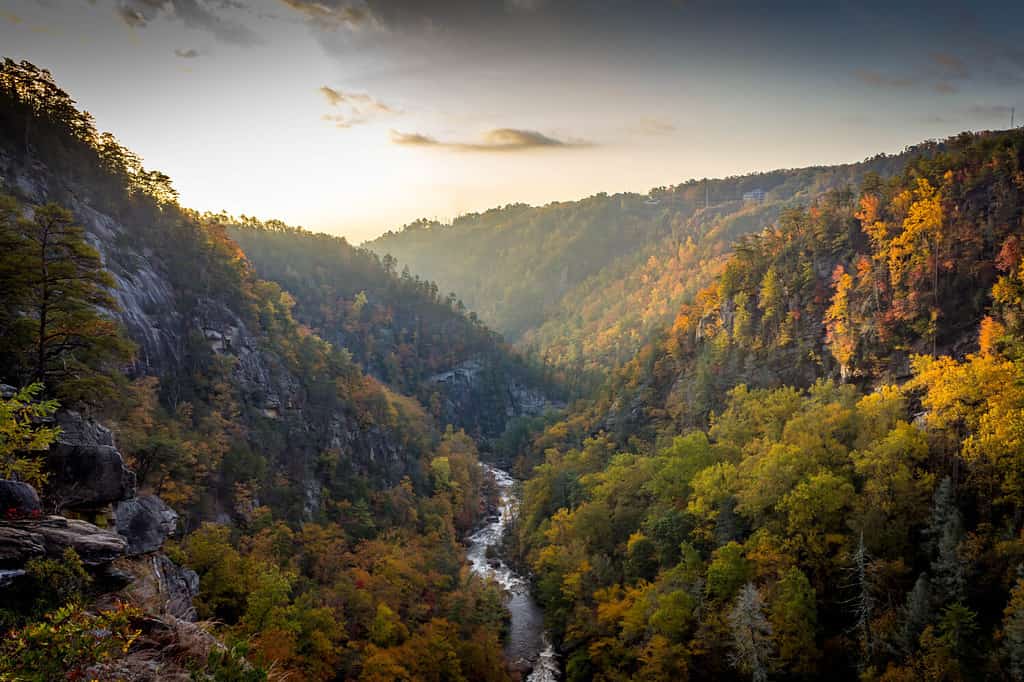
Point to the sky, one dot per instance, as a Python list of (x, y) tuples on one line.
[(359, 116)]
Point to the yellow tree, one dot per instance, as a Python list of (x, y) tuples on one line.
[(915, 250), (842, 342)]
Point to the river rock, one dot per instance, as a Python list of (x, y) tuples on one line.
[(18, 499), (86, 470), (145, 522)]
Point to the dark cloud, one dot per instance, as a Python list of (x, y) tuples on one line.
[(203, 15), (187, 54), (497, 140), (353, 108)]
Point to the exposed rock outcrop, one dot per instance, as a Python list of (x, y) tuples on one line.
[(481, 398), (18, 499), (18, 545), (145, 522), (86, 469), (164, 587), (24, 539)]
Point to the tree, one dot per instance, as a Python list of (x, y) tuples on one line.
[(1013, 630), (20, 436), (751, 634), (840, 335), (728, 570), (863, 602), (64, 334), (944, 533), (794, 619), (916, 249), (918, 611)]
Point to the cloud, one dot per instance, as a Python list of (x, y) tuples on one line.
[(939, 76), (497, 140), (431, 15), (413, 140), (197, 14), (990, 111), (333, 14), (353, 108), (880, 80), (525, 5), (187, 54), (950, 65), (654, 126)]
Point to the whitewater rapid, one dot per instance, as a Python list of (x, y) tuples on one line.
[(528, 646)]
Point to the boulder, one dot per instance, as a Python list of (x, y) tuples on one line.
[(86, 470), (112, 578), (145, 522), (24, 539), (18, 545), (18, 499), (164, 586), (9, 576), (180, 585)]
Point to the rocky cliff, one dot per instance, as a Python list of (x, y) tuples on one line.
[(479, 396), (178, 324)]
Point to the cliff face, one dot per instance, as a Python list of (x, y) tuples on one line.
[(481, 397), (174, 328)]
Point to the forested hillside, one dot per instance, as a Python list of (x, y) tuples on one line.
[(815, 471), (400, 329), (584, 284), (321, 509), (235, 450)]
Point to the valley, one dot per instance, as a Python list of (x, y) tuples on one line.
[(761, 427)]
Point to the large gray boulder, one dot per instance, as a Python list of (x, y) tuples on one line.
[(145, 522), (50, 536), (164, 586), (18, 499), (179, 585), (18, 545), (86, 470)]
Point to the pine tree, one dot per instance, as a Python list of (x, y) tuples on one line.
[(61, 333)]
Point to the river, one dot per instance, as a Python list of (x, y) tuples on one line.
[(528, 647)]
